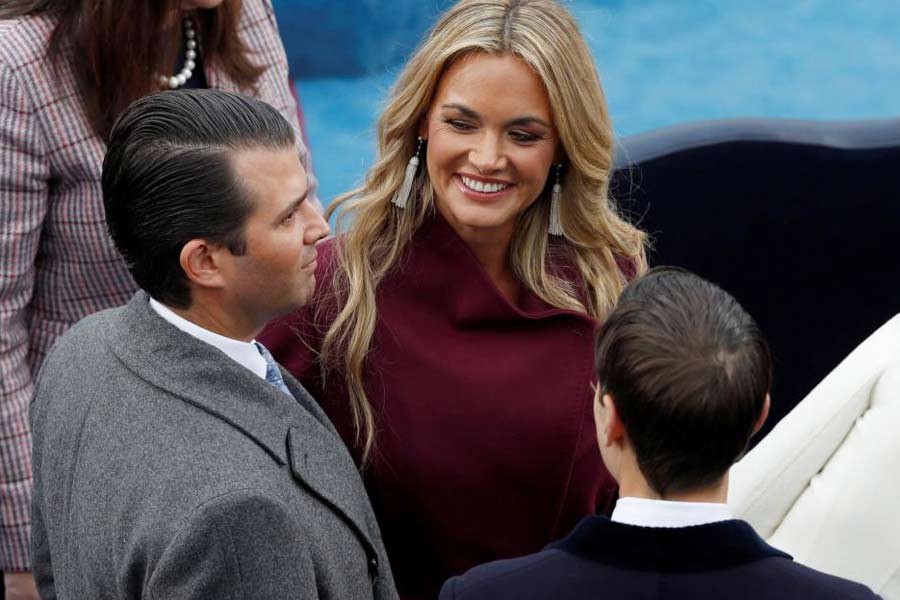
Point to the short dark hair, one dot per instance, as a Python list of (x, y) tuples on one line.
[(689, 371), (167, 179)]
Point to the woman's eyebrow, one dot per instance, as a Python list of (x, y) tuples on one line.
[(525, 120), (463, 109), (528, 121)]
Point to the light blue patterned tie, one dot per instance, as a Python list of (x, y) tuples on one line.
[(273, 373)]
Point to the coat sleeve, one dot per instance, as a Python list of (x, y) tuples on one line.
[(41, 563), (238, 545), (260, 31), (24, 173)]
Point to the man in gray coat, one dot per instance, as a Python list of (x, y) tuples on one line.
[(173, 458)]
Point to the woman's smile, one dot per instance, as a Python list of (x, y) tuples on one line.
[(479, 188)]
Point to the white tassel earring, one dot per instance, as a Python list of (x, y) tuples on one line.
[(555, 225), (401, 198)]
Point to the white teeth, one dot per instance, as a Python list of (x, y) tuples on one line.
[(480, 186)]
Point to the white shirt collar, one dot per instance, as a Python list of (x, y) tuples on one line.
[(243, 353), (645, 512)]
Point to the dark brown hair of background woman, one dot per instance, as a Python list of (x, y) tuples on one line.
[(120, 49)]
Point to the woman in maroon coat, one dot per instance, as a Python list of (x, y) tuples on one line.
[(451, 336)]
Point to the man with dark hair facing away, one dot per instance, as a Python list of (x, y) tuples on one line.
[(684, 377), (173, 458)]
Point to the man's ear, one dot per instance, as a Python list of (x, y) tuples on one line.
[(607, 420), (763, 415), (201, 263)]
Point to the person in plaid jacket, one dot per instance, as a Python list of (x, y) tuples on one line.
[(61, 85)]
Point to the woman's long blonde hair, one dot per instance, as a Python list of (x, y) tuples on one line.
[(545, 36)]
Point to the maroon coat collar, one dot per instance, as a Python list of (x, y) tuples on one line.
[(438, 258)]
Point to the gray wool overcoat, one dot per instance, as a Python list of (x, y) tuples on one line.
[(165, 470)]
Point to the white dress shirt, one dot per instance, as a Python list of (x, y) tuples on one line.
[(645, 512), (243, 353)]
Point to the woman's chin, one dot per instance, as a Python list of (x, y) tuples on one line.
[(472, 219)]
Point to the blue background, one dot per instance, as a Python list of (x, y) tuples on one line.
[(662, 62)]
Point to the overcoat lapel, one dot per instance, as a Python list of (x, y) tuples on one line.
[(295, 433), (328, 470)]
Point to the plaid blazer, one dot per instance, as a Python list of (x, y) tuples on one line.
[(57, 263)]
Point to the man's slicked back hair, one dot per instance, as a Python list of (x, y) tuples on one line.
[(689, 371), (167, 179)]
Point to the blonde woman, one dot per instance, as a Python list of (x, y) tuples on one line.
[(451, 342)]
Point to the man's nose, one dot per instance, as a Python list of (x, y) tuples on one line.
[(318, 227)]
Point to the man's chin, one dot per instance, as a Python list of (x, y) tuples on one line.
[(300, 300)]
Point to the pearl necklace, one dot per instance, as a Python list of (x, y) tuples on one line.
[(190, 54)]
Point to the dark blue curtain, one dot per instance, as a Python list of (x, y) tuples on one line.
[(798, 220)]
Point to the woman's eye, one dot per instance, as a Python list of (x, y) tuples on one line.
[(460, 125), (523, 137)]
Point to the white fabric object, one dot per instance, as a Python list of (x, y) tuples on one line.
[(824, 485), (244, 353), (647, 512)]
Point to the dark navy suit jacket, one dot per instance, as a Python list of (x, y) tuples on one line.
[(604, 559)]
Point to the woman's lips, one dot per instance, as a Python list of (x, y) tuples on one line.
[(489, 190)]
